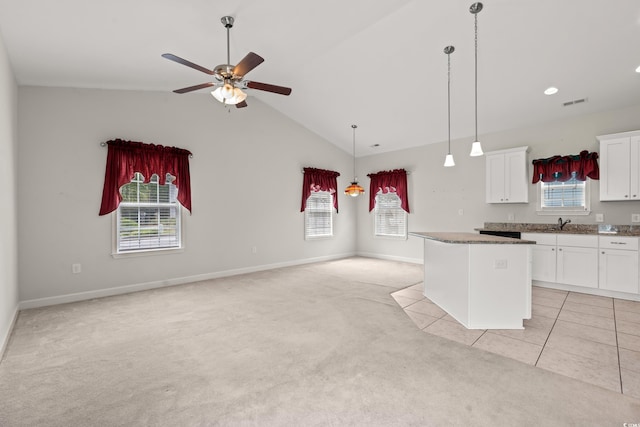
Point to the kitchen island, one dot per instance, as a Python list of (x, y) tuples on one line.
[(482, 281)]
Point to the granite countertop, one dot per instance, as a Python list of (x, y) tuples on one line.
[(621, 230), (469, 238)]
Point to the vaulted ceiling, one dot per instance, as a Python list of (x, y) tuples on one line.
[(378, 64)]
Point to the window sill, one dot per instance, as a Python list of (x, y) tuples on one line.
[(564, 212), (382, 237), (148, 252)]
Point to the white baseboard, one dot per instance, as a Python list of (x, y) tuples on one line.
[(391, 257), (586, 290), (6, 334), (83, 296)]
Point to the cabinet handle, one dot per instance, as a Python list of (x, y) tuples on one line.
[(559, 249), (553, 249), (626, 195), (602, 252), (618, 243)]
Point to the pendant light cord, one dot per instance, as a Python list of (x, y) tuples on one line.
[(449, 100), (476, 71), (354, 152)]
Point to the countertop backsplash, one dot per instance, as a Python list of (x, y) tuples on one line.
[(620, 230)]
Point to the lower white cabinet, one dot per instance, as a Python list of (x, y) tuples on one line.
[(619, 267), (609, 263), (543, 256), (577, 266)]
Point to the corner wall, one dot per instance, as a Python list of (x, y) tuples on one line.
[(453, 199), (246, 187), (8, 213)]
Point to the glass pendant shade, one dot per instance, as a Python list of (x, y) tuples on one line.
[(354, 190), (448, 161), (476, 149), (228, 94)]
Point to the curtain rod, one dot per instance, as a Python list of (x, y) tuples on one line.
[(104, 144), (408, 172)]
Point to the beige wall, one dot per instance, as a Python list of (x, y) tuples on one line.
[(8, 213), (438, 193), (246, 188)]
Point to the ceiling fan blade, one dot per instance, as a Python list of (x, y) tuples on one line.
[(248, 63), (192, 88), (179, 60), (269, 88), (241, 104)]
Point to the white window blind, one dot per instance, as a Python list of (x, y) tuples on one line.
[(318, 215), (568, 195), (148, 216), (390, 219)]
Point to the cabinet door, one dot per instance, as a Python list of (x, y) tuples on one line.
[(577, 266), (495, 178), (516, 183), (619, 270), (615, 169), (634, 168), (544, 263)]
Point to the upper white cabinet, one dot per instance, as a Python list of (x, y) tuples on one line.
[(507, 177), (619, 166)]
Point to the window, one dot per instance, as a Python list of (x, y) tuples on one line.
[(318, 215), (568, 196), (390, 220), (149, 216)]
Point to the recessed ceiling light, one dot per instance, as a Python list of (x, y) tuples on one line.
[(551, 90), (638, 69)]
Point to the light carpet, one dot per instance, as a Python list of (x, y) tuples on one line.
[(313, 345)]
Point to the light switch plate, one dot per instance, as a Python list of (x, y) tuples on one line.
[(599, 217)]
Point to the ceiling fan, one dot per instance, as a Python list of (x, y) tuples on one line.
[(229, 79)]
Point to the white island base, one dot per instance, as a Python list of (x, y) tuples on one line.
[(484, 282)]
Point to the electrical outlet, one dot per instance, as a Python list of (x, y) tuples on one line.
[(460, 212), (76, 268), (599, 217), (254, 249), (500, 264), (511, 216), (635, 217)]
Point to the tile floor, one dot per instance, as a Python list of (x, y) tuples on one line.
[(590, 338)]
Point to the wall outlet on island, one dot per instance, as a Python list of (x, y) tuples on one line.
[(635, 217), (599, 217)]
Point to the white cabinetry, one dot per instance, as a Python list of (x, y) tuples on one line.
[(543, 255), (619, 263), (598, 264), (620, 166), (577, 260), (506, 176)]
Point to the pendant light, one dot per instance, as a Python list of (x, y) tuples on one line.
[(476, 147), (448, 161), (354, 189)]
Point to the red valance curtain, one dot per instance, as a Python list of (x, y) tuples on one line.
[(394, 181), (561, 168), (125, 158), (319, 180)]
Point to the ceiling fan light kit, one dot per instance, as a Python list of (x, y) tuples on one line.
[(229, 79), (354, 189), (476, 147)]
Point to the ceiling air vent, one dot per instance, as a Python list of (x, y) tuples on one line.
[(575, 101)]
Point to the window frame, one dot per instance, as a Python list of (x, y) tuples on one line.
[(543, 210), (116, 251), (405, 234)]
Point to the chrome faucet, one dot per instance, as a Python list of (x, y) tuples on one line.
[(562, 224)]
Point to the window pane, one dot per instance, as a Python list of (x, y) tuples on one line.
[(149, 216), (390, 219), (318, 215), (569, 194)]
